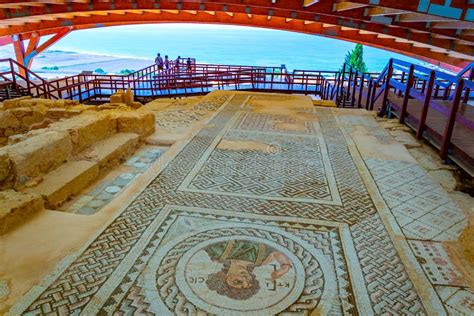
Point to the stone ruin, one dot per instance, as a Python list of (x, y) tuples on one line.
[(124, 98), (19, 116), (50, 150)]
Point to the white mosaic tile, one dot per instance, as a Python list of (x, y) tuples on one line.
[(436, 263), (461, 303)]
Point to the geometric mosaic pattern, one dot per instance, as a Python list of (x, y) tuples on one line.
[(421, 207), (296, 170), (273, 123), (209, 236), (181, 115)]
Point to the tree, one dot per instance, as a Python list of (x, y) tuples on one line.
[(355, 58)]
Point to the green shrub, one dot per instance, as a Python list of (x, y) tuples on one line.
[(126, 71), (50, 68)]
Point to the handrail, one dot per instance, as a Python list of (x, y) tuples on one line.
[(43, 88), (466, 69)]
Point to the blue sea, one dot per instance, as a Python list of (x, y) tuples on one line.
[(221, 44)]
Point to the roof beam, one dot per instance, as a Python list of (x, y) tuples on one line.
[(307, 3), (453, 25), (378, 11), (419, 17), (344, 6)]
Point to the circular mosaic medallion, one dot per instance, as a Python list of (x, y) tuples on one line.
[(240, 274), (238, 270)]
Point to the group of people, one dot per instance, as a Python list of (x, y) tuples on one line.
[(166, 64)]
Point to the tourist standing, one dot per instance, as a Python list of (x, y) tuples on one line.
[(159, 61), (177, 62), (189, 65), (167, 63)]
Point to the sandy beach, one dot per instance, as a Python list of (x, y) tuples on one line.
[(71, 63)]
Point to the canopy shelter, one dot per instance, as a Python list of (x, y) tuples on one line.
[(438, 31)]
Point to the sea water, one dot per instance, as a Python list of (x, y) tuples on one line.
[(222, 45)]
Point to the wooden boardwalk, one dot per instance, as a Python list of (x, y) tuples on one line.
[(462, 139)]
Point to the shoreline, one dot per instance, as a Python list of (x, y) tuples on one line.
[(73, 63)]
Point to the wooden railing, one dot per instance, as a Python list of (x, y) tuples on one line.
[(435, 104), (32, 83), (179, 80)]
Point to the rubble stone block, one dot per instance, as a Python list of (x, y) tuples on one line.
[(128, 97), (8, 120), (136, 105), (5, 166), (86, 129), (13, 103), (59, 113), (56, 113), (38, 102), (117, 98), (141, 122), (21, 111), (16, 207), (34, 118)]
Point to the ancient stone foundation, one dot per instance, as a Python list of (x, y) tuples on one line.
[(54, 149)]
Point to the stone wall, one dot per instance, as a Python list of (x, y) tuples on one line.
[(18, 116), (42, 150), (54, 161)]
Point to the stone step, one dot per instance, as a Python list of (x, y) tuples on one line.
[(112, 149), (66, 181), (87, 129), (36, 155), (325, 103), (17, 207)]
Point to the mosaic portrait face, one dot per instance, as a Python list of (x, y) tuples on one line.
[(245, 274), (238, 269)]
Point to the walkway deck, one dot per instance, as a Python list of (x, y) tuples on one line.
[(329, 225), (462, 141)]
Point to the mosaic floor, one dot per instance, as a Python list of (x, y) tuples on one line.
[(270, 210)]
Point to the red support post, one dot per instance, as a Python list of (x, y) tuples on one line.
[(386, 88), (448, 131), (359, 104), (426, 105), (354, 85), (406, 96), (19, 48), (25, 57)]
